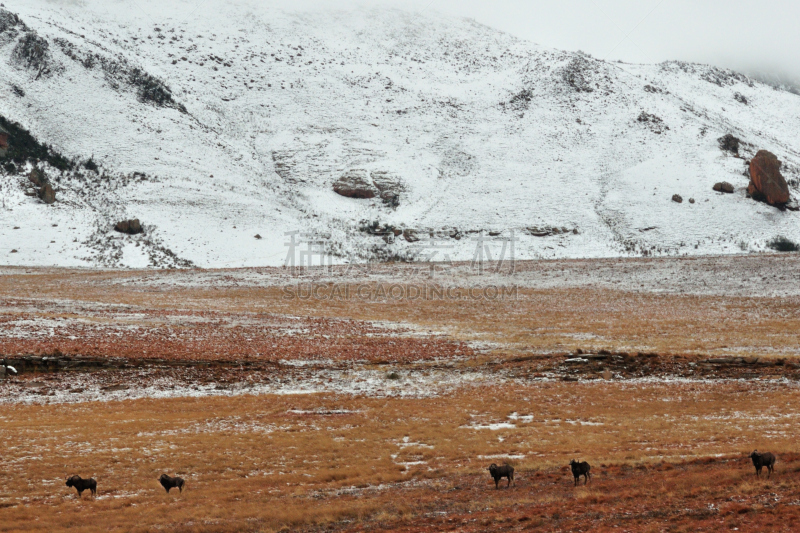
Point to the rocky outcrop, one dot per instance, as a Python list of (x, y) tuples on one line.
[(356, 184), (131, 227), (47, 194), (723, 186), (766, 182), (42, 187), (361, 184), (389, 185)]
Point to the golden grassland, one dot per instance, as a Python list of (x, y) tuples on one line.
[(666, 456), (556, 320), (266, 463)]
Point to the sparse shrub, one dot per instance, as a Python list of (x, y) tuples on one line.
[(90, 165), (9, 21), (151, 89), (654, 122), (577, 74), (729, 143), (520, 101), (32, 52), (782, 244), (393, 376)]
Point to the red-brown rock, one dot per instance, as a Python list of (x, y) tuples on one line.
[(766, 181)]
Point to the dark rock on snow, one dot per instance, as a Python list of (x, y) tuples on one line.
[(723, 186), (677, 198), (131, 227)]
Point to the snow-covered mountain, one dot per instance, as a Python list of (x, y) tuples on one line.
[(213, 123)]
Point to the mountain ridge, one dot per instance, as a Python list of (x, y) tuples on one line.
[(212, 133)]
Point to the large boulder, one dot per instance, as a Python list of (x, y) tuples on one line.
[(47, 194), (131, 227), (356, 184), (766, 181)]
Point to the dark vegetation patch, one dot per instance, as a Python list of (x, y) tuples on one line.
[(782, 244), (10, 23), (653, 122), (577, 74), (33, 53), (23, 147), (153, 90), (90, 165), (717, 76), (520, 101), (119, 73), (729, 143)]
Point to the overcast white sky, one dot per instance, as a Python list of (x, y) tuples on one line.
[(746, 35)]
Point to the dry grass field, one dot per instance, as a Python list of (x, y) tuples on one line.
[(451, 386), (665, 457)]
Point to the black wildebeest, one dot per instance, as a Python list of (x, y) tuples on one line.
[(761, 460), (580, 469), (499, 472), (171, 482), (81, 484)]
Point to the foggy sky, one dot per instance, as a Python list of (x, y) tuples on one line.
[(746, 35)]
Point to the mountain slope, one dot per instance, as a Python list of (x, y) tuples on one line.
[(217, 123)]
